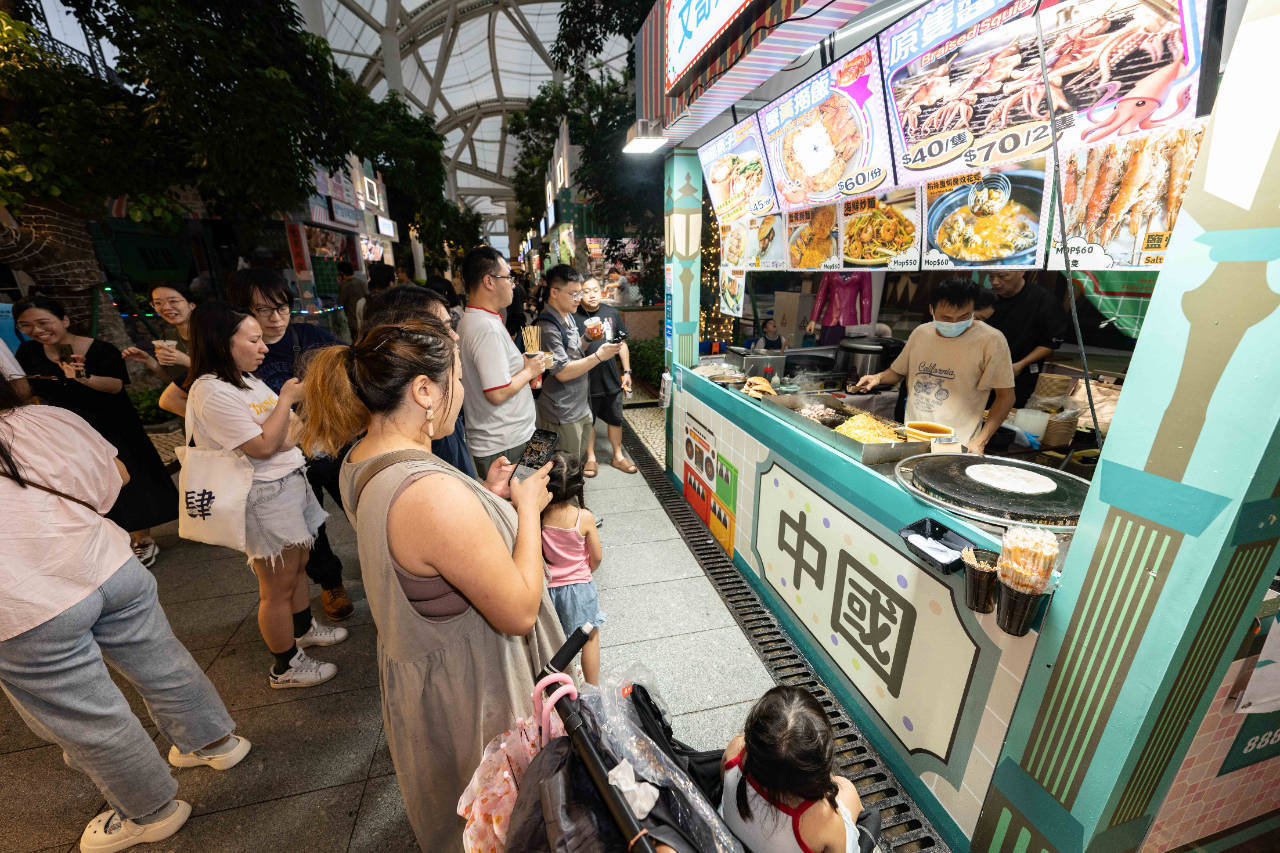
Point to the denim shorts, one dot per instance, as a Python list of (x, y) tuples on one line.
[(577, 603), (281, 514)]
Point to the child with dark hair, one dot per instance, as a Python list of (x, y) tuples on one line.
[(571, 546), (781, 791)]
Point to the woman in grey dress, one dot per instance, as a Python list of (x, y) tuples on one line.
[(453, 573)]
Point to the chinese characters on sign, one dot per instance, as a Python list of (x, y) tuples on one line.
[(692, 26), (199, 504), (737, 175)]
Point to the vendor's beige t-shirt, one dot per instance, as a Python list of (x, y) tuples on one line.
[(949, 379)]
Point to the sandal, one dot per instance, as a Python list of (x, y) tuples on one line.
[(590, 469), (626, 466)]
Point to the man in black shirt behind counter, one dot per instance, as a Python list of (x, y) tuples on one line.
[(1032, 323)]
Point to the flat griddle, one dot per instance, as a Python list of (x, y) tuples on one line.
[(941, 480)]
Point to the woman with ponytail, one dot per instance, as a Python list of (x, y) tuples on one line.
[(781, 793), (453, 574)]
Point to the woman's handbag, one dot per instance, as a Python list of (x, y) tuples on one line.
[(213, 491)]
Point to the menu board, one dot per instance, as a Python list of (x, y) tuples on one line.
[(965, 87), (1122, 198), (813, 240), (990, 218), (882, 231), (826, 139), (1115, 68), (733, 288), (737, 173)]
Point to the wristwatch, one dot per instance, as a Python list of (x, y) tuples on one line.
[(626, 373)]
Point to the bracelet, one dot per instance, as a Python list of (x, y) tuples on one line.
[(626, 373)]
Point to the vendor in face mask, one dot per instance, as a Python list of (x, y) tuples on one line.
[(951, 365)]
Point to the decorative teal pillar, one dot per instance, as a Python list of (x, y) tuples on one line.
[(1178, 538), (683, 256)]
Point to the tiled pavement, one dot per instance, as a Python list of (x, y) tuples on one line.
[(319, 777)]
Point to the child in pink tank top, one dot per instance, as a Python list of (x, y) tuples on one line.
[(572, 550)]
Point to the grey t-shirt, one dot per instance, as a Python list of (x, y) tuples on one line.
[(562, 402)]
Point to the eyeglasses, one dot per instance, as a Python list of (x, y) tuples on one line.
[(495, 275), (264, 312)]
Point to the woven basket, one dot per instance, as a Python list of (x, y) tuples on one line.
[(1054, 385), (1061, 429)]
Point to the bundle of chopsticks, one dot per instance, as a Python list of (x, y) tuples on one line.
[(532, 338), (1027, 559), (971, 559)]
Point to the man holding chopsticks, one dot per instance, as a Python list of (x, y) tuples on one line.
[(498, 403)]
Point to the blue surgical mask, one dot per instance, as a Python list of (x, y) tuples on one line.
[(952, 330)]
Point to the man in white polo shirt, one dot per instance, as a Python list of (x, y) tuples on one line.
[(498, 403)]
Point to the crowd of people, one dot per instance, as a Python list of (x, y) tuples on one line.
[(414, 429)]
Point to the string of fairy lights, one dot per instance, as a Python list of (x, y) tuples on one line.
[(712, 325)]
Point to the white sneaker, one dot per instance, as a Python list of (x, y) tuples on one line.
[(108, 832), (321, 635), (304, 672), (228, 755), (146, 552)]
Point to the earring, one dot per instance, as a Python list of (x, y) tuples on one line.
[(431, 427)]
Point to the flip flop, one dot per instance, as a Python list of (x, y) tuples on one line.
[(626, 466), (590, 469)]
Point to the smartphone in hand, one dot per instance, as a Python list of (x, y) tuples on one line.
[(536, 453)]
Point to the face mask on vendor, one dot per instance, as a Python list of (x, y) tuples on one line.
[(951, 321)]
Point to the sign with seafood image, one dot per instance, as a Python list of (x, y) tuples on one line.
[(826, 140), (813, 240), (737, 173), (882, 231), (989, 218), (1122, 197)]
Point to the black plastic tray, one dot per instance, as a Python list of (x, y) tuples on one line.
[(939, 532)]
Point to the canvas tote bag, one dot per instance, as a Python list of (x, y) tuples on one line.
[(213, 492)]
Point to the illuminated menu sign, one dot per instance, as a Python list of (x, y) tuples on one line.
[(692, 26), (737, 173)]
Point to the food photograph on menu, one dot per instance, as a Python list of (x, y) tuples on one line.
[(767, 246), (733, 244), (733, 287), (882, 231), (1122, 198), (737, 174), (813, 239), (991, 217), (826, 139)]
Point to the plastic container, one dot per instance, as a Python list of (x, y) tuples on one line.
[(1032, 421), (1016, 611), (938, 532), (980, 586)]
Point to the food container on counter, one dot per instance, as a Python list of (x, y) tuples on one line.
[(946, 444), (1031, 421), (1016, 611), (980, 584), (928, 430), (787, 407), (928, 528)]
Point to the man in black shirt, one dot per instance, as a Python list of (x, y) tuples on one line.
[(606, 383), (1032, 323)]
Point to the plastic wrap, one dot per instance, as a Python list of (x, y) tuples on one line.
[(608, 710)]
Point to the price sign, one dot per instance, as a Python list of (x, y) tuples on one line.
[(863, 181), (937, 150), (1014, 143)]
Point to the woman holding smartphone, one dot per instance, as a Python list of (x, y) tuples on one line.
[(173, 305), (228, 408), (454, 574), (88, 376)]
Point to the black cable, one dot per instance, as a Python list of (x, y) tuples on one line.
[(1062, 225)]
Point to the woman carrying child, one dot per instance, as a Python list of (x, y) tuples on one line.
[(571, 546), (781, 793)]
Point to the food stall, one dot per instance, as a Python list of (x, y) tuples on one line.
[(1078, 709)]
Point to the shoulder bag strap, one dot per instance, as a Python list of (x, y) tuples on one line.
[(33, 484), (297, 348), (379, 465)]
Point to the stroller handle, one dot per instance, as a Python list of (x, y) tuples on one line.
[(564, 656)]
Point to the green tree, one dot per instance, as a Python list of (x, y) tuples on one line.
[(586, 27)]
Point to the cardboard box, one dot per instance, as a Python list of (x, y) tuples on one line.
[(791, 312)]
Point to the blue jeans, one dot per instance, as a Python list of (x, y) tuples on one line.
[(56, 678)]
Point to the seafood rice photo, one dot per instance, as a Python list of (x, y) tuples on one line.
[(1119, 194), (818, 146)]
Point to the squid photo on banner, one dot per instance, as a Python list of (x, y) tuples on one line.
[(825, 139)]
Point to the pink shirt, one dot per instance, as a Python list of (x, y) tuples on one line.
[(54, 552), (565, 550)]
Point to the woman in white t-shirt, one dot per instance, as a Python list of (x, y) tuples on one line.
[(230, 409)]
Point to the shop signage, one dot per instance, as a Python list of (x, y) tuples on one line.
[(299, 251), (737, 174), (826, 140), (1258, 740), (386, 227), (886, 623), (692, 26), (345, 213)]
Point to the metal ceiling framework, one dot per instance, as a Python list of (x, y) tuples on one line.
[(470, 63)]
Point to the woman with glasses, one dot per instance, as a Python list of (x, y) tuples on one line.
[(87, 376), (169, 360)]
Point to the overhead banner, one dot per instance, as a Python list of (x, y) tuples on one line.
[(988, 218), (882, 231), (826, 138), (1122, 198), (737, 173), (759, 242)]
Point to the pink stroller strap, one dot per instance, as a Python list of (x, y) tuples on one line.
[(543, 710)]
